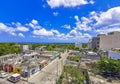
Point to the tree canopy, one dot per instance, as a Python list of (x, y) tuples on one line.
[(9, 48), (108, 64)]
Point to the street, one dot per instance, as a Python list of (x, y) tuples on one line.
[(50, 73)]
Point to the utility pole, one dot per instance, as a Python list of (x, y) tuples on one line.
[(57, 69), (28, 70)]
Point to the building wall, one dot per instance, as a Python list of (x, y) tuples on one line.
[(114, 55), (78, 45), (89, 44), (93, 43), (110, 41), (25, 48)]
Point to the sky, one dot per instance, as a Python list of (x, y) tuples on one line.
[(57, 21)]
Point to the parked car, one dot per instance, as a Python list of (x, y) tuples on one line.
[(3, 75), (14, 78)]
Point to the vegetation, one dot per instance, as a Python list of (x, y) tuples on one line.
[(108, 64), (52, 47), (94, 49), (71, 75), (33, 46), (75, 58), (117, 50), (9, 48), (107, 67), (77, 49), (84, 45)]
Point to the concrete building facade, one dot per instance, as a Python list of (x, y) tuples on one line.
[(109, 41), (106, 42), (93, 43), (78, 45)]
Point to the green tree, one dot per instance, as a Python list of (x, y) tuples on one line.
[(109, 65), (84, 45)]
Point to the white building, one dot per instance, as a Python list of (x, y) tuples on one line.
[(109, 41), (106, 42), (78, 45), (25, 48)]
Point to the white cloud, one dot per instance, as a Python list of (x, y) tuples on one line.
[(86, 35), (55, 13), (105, 22), (34, 24), (55, 31), (14, 34), (22, 28), (5, 28), (43, 32), (68, 3), (66, 26), (13, 28), (76, 17), (102, 22), (73, 33), (107, 30), (21, 35), (83, 24), (92, 2), (17, 29), (62, 35), (109, 17)]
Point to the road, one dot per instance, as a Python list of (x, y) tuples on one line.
[(51, 72)]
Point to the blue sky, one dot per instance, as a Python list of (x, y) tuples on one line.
[(57, 20)]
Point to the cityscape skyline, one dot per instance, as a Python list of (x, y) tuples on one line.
[(57, 21)]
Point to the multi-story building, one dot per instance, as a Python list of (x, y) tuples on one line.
[(109, 41), (90, 44), (78, 45), (93, 43), (25, 48), (106, 42)]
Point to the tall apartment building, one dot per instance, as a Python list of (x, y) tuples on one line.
[(106, 42), (109, 41), (93, 43)]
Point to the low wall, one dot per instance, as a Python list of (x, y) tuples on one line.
[(114, 55)]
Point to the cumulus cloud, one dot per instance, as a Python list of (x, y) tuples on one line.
[(5, 28), (55, 13), (13, 28), (34, 24), (66, 26), (68, 3), (14, 34), (76, 17), (22, 28), (99, 22), (92, 2), (55, 31), (21, 35), (109, 17), (83, 24), (73, 33), (106, 21), (107, 30), (43, 32)]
